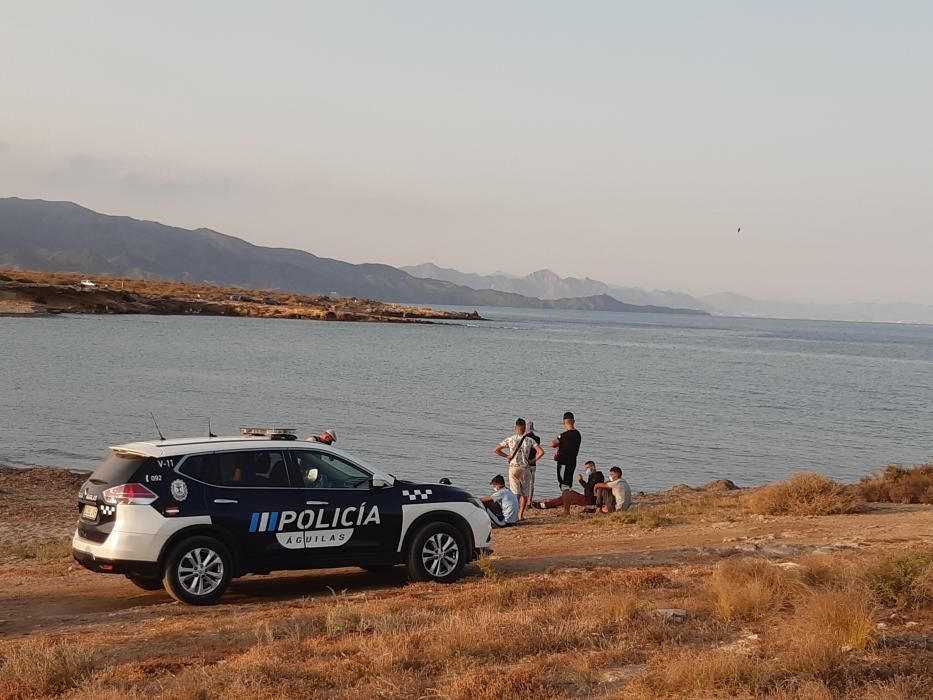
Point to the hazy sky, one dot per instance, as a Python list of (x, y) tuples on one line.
[(624, 141)]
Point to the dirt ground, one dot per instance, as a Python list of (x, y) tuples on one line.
[(38, 506)]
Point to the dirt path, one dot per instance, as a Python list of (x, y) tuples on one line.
[(58, 596)]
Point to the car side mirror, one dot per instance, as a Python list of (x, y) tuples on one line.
[(378, 483)]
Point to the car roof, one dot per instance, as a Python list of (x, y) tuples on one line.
[(177, 447)]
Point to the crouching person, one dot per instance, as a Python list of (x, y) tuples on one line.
[(614, 494), (502, 505)]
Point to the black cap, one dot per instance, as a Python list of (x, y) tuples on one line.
[(569, 416)]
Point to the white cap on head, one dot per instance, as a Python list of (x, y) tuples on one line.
[(530, 428), (332, 433)]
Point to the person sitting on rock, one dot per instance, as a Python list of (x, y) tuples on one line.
[(614, 494), (585, 500)]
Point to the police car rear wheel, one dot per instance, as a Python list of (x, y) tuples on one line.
[(437, 553), (146, 583), (198, 571)]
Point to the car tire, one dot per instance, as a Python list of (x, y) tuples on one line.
[(147, 583), (198, 571), (437, 553)]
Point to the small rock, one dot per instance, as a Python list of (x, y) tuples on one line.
[(789, 565), (677, 615), (912, 624), (747, 547), (882, 625)]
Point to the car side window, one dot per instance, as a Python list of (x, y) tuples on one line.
[(320, 470), (247, 469)]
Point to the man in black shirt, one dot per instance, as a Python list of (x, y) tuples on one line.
[(568, 447), (586, 500)]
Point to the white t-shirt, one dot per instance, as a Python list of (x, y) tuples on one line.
[(509, 503), (621, 492), (527, 448)]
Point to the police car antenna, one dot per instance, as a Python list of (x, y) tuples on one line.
[(210, 433), (161, 436)]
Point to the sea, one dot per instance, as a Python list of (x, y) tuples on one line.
[(671, 399)]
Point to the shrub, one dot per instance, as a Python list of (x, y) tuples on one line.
[(806, 494), (749, 589), (896, 484), (904, 582)]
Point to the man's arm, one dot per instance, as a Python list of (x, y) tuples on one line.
[(539, 453), (597, 487), (499, 451), (486, 499)]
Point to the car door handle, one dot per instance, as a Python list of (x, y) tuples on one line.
[(225, 500), (316, 503)]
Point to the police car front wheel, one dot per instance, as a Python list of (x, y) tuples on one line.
[(198, 571), (437, 553)]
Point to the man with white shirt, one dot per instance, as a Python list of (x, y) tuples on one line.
[(501, 506), (519, 450), (615, 494)]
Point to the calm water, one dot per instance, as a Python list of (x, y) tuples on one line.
[(673, 399)]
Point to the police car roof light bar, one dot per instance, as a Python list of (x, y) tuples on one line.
[(271, 433)]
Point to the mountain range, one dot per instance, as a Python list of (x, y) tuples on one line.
[(65, 237), (547, 284)]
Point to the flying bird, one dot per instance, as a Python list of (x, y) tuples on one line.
[(739, 230)]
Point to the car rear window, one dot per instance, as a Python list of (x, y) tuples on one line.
[(117, 469)]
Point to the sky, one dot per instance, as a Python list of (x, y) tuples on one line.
[(617, 140)]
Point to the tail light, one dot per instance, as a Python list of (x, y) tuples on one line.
[(129, 494)]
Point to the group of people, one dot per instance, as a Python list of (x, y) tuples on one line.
[(508, 502)]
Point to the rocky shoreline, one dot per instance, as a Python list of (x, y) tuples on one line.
[(24, 293)]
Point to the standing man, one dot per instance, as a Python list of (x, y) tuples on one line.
[(532, 461), (517, 449), (328, 437), (568, 447)]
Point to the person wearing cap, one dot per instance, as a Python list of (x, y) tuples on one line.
[(328, 437), (568, 447), (517, 449), (532, 462), (614, 494)]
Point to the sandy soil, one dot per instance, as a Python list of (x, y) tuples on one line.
[(47, 594)]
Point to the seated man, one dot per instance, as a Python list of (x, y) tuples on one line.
[(615, 494), (502, 505), (587, 500)]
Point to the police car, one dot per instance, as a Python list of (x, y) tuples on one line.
[(189, 515)]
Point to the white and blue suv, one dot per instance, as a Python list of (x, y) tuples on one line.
[(191, 514)]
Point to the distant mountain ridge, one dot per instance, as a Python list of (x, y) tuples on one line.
[(546, 284), (65, 237)]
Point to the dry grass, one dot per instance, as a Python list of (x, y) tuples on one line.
[(750, 589), (37, 667), (904, 582), (43, 552), (805, 494), (895, 484)]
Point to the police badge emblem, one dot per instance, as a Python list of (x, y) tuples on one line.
[(179, 490)]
